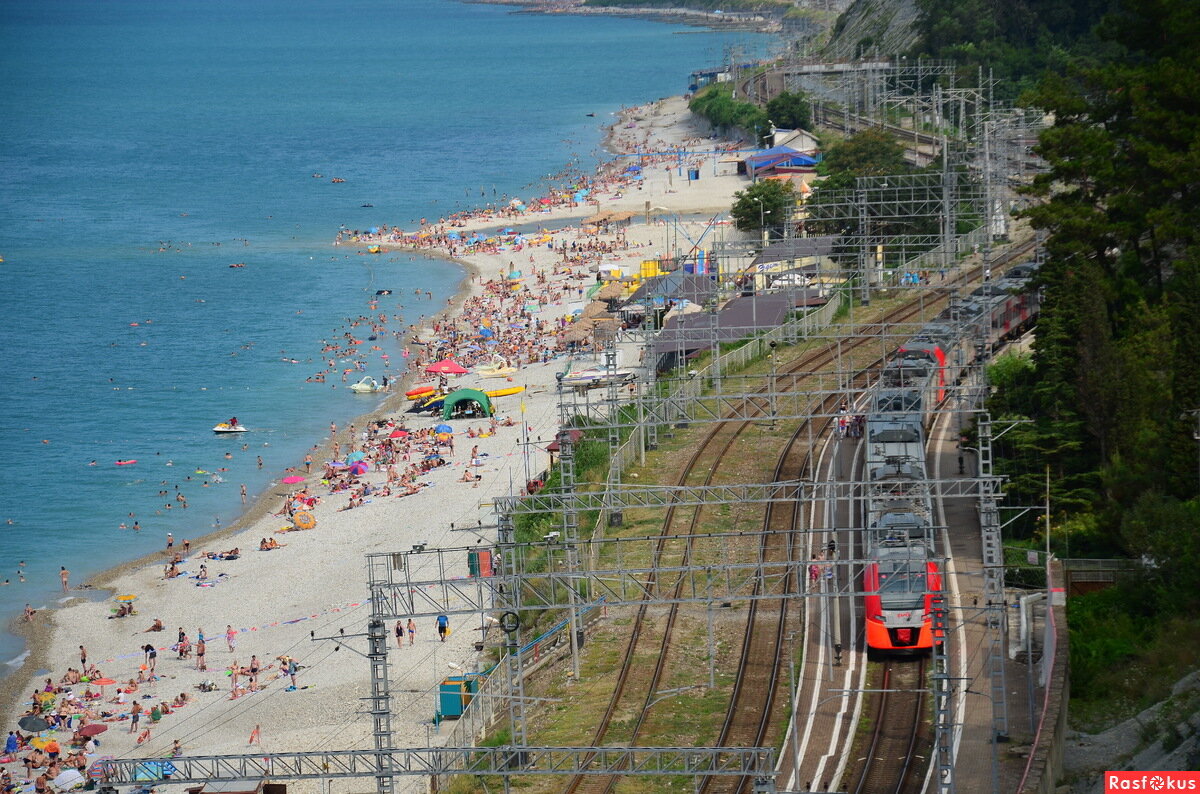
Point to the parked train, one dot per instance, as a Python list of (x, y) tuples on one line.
[(901, 579)]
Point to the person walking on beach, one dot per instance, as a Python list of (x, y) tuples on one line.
[(412, 631), (399, 633), (201, 647), (64, 574), (253, 673), (135, 714), (291, 668), (151, 657), (308, 462), (230, 637), (443, 626), (82, 658)]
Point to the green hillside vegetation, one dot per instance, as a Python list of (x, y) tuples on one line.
[(1114, 378), (1018, 40), (715, 103)]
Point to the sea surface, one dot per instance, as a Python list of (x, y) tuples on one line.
[(148, 145)]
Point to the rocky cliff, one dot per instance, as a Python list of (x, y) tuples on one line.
[(886, 27)]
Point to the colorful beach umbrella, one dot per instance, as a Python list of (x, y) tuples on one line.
[(359, 467), (97, 770), (33, 723), (446, 366)]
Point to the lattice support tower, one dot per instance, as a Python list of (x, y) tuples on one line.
[(381, 701), (512, 667), (943, 701), (993, 581)]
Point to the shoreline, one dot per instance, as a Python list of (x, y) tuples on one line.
[(38, 635), (274, 599), (692, 17)]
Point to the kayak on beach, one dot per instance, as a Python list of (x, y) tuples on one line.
[(420, 391)]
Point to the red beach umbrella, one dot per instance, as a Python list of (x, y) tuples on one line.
[(103, 682), (399, 434), (446, 366), (93, 729)]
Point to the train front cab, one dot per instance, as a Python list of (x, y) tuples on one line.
[(898, 614)]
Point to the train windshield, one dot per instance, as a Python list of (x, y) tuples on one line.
[(897, 434), (902, 587)]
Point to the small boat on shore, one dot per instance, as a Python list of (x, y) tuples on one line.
[(226, 427), (420, 391), (367, 385)]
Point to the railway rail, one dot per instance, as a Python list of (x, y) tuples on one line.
[(889, 765), (752, 708)]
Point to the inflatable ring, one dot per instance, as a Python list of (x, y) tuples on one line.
[(304, 520)]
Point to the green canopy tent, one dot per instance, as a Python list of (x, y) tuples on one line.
[(462, 395)]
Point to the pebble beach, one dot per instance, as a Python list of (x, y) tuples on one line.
[(259, 608)]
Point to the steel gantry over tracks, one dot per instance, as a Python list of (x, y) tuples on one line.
[(419, 761)]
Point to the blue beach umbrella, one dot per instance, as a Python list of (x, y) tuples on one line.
[(354, 457), (443, 428)]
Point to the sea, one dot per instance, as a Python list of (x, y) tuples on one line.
[(148, 145)]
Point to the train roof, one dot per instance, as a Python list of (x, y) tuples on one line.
[(902, 469), (896, 400)]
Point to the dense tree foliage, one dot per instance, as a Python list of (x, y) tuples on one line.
[(872, 152), (1017, 40), (908, 214), (790, 111), (762, 205), (1115, 369), (715, 102)]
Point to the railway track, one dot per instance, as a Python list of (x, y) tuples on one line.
[(753, 704), (890, 765)]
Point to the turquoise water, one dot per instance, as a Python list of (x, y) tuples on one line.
[(146, 146)]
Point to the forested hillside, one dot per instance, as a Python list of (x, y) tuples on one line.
[(1018, 39), (1113, 385)]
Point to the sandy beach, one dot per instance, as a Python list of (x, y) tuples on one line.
[(269, 602)]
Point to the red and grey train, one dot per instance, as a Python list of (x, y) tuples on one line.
[(901, 579)]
